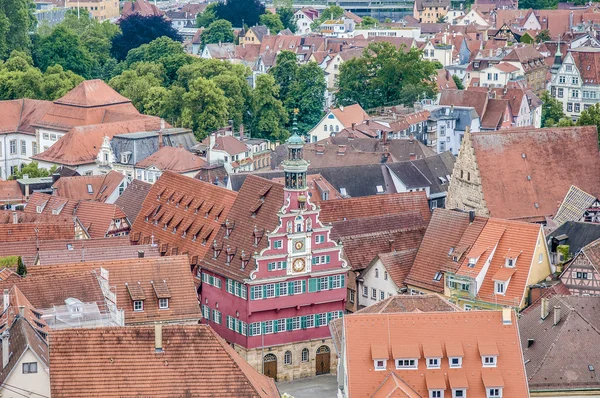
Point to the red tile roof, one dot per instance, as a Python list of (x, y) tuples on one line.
[(141, 7), (132, 198), (142, 274), (449, 234), (229, 144), (77, 188), (19, 115), (10, 192), (536, 161), (197, 209), (194, 361), (350, 114), (398, 264), (177, 160), (423, 331), (34, 227), (65, 256)]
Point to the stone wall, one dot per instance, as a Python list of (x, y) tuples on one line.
[(298, 369), (465, 191)]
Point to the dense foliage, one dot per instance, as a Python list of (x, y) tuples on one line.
[(591, 117), (219, 31), (240, 12), (137, 30), (384, 75), (552, 110)]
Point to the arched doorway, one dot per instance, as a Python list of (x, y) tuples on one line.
[(323, 360), (270, 366)]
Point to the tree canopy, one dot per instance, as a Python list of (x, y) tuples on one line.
[(208, 16), (240, 12), (591, 117), (272, 21), (385, 75), (286, 15), (552, 110), (32, 170), (16, 22), (268, 114), (331, 12), (137, 30), (219, 31)]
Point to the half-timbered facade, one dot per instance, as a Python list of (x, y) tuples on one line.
[(273, 279), (581, 275)]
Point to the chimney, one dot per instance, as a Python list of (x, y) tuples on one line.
[(412, 156), (385, 137), (25, 176), (160, 133), (140, 254), (5, 349), (391, 243), (22, 311), (15, 217), (367, 122), (544, 308), (158, 339), (6, 299), (471, 216), (241, 132), (556, 315), (353, 124), (507, 316), (571, 22)]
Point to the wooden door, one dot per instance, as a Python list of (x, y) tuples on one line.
[(270, 366), (323, 360)]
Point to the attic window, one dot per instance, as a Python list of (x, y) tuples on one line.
[(437, 277), (90, 189), (510, 262), (138, 305), (379, 189), (442, 180), (450, 251), (343, 191), (69, 246), (472, 261)]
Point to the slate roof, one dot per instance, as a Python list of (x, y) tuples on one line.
[(576, 234), (543, 154), (448, 231), (178, 160), (139, 145), (197, 209), (370, 336), (141, 273), (567, 348), (392, 305), (426, 172), (573, 206), (132, 198), (248, 219), (194, 361), (77, 188)]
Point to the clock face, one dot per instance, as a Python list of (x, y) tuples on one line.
[(299, 265), (299, 245)]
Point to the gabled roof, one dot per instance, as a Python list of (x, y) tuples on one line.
[(193, 361), (10, 191), (573, 206), (421, 332), (141, 7), (544, 155), (449, 234), (229, 144), (19, 115), (549, 350), (494, 114), (178, 160), (398, 264), (96, 188), (350, 114), (588, 64), (51, 257), (254, 211), (196, 208), (141, 273), (473, 99), (132, 198), (34, 227)]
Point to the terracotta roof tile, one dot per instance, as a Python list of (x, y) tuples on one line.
[(97, 187), (350, 114), (193, 361), (10, 192), (545, 156), (199, 217), (34, 227), (19, 115), (418, 330), (398, 264), (178, 160), (64, 256), (132, 198)]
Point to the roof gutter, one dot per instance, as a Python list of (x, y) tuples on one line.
[(567, 393)]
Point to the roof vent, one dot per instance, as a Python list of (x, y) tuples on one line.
[(536, 205), (528, 178), (530, 342), (524, 156)]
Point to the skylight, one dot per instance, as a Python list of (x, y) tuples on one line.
[(90, 189)]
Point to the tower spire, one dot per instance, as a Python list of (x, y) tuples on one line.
[(295, 166)]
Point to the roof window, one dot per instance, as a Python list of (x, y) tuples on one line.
[(90, 189)]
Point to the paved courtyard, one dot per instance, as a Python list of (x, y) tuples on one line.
[(312, 387)]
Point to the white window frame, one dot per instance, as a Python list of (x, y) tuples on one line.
[(437, 393), (380, 364), (500, 287), (29, 367), (455, 366), (295, 323), (138, 305), (310, 321), (489, 361), (404, 363), (270, 290), (434, 362), (163, 303), (495, 392), (373, 293), (456, 390)]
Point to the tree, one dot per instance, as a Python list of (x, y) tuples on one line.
[(219, 31), (32, 170), (135, 83), (565, 122), (538, 4), (286, 15), (591, 117), (164, 51), (57, 82), (331, 12), (238, 94), (307, 95), (21, 268), (385, 75), (368, 22), (442, 19), (284, 72), (458, 82), (240, 12), (272, 21), (16, 23), (137, 30), (208, 16), (204, 107), (63, 47), (543, 36), (552, 110), (268, 114)]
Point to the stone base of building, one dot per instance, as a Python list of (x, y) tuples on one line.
[(319, 351)]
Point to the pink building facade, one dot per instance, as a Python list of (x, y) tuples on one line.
[(296, 286)]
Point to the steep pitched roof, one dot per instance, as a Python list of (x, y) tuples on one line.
[(91, 93), (350, 114), (398, 264), (473, 99), (573, 206), (178, 160), (81, 145), (141, 7), (194, 360), (34, 227), (132, 198), (10, 191), (229, 144), (253, 213), (19, 115), (449, 234), (544, 155), (388, 335), (494, 114), (550, 349), (96, 188), (195, 208), (588, 64), (52, 257), (142, 274)]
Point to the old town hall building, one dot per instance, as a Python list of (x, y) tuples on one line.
[(273, 279)]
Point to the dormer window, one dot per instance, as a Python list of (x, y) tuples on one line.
[(459, 393), (489, 362), (138, 305), (163, 303), (472, 261), (380, 364), (455, 362), (39, 209), (510, 262), (494, 393), (500, 287), (436, 393), (412, 363), (433, 363)]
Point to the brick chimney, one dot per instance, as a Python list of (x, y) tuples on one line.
[(160, 133), (5, 349), (241, 132), (6, 300)]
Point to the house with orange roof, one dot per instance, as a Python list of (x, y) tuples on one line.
[(499, 75), (104, 188), (506, 258), (432, 354), (178, 160), (336, 120)]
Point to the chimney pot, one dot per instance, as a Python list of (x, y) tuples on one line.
[(471, 216), (15, 217), (530, 342), (556, 315), (6, 299), (22, 311), (5, 349), (158, 340), (544, 308)]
